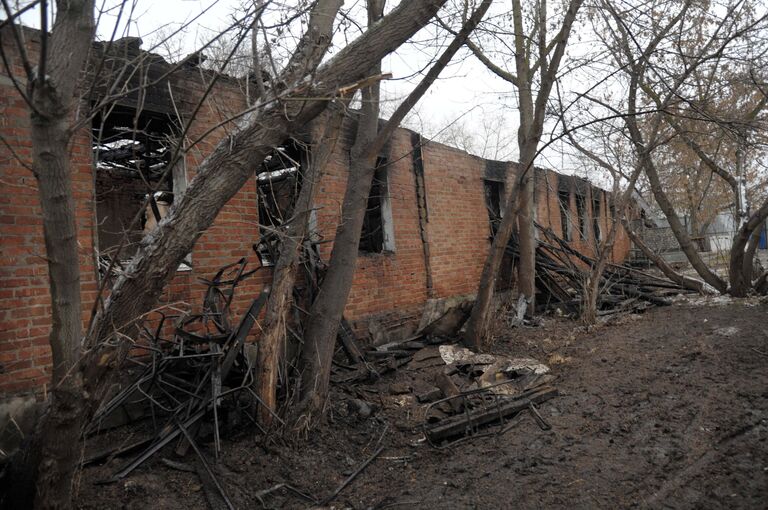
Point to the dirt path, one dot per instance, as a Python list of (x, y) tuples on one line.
[(668, 409)]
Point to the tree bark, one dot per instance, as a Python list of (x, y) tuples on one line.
[(52, 96), (328, 307), (327, 310), (532, 115), (284, 275), (749, 257), (528, 135), (740, 284)]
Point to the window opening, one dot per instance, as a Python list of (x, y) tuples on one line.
[(596, 216), (132, 151), (278, 186), (494, 198), (377, 235), (564, 197), (581, 212)]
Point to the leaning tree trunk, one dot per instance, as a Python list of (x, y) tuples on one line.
[(328, 307), (477, 325), (678, 229), (669, 272), (273, 326), (225, 171)]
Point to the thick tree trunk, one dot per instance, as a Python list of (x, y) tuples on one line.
[(526, 269), (328, 307), (320, 335), (741, 282), (51, 95), (749, 257), (284, 276), (591, 292), (51, 166)]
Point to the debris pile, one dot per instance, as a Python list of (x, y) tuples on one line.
[(562, 271), (473, 394), (481, 393), (194, 385)]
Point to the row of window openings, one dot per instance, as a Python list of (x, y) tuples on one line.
[(132, 152), (277, 192), (567, 222), (494, 198)]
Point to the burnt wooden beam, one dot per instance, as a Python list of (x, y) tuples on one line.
[(459, 424)]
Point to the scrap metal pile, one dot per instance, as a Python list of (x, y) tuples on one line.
[(194, 385)]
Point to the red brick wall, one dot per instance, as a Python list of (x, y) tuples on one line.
[(458, 218), (25, 304), (24, 297), (391, 284)]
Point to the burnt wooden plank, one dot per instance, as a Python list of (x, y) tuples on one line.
[(458, 425)]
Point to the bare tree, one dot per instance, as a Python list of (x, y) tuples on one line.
[(537, 60), (662, 74), (327, 309)]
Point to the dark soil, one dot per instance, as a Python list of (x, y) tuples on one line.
[(665, 409)]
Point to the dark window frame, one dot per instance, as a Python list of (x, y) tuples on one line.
[(566, 224), (581, 214), (596, 211), (494, 202), (376, 235)]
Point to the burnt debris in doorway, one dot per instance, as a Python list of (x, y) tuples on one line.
[(131, 151), (279, 181)]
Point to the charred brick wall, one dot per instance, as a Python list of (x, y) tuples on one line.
[(392, 285), (25, 306)]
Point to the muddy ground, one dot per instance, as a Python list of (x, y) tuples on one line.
[(668, 409)]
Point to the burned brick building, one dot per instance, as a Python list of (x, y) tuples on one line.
[(426, 234)]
